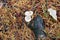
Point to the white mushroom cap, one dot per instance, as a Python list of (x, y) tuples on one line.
[(28, 18), (29, 13)]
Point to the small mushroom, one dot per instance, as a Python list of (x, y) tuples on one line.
[(28, 18), (29, 13)]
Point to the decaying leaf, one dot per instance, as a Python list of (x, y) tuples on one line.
[(38, 27)]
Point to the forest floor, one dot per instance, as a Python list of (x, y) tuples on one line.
[(13, 25)]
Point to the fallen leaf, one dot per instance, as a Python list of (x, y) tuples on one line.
[(52, 12), (1, 4)]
